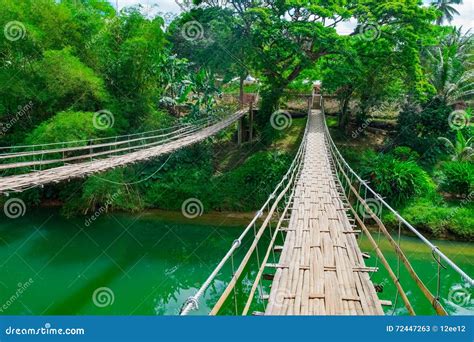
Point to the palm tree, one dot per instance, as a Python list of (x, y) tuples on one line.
[(448, 11), (451, 67), (461, 149)]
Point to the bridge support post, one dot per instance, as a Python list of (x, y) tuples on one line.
[(251, 122), (240, 128)]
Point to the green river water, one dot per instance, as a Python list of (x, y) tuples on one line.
[(149, 265)]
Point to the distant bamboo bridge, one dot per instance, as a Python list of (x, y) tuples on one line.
[(301, 253), (39, 165)]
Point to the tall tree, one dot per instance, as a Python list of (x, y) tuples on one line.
[(292, 35)]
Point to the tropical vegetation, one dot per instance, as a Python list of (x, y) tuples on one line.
[(400, 83)]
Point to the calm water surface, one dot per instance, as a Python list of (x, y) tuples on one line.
[(146, 265)]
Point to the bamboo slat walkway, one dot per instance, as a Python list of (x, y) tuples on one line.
[(321, 269), (62, 173)]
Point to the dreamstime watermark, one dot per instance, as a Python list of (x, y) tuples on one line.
[(192, 31), (102, 209), (279, 297), (46, 330), (361, 128), (280, 120), (103, 296), (375, 207), (103, 119), (461, 296), (369, 31), (465, 201), (14, 208), (192, 208), (22, 111), (14, 30), (458, 120), (95, 38), (22, 287)]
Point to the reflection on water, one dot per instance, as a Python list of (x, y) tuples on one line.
[(123, 264)]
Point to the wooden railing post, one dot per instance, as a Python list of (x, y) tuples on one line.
[(251, 122), (240, 125)]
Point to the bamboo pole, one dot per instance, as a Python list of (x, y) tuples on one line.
[(434, 302)]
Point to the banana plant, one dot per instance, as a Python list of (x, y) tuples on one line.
[(177, 83)]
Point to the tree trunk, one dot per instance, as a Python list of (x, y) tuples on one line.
[(270, 103), (343, 114)]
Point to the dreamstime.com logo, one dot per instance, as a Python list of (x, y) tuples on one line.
[(369, 31), (46, 330), (102, 209), (14, 30), (280, 120), (22, 111), (103, 119), (14, 208), (192, 208), (192, 31), (461, 296), (103, 296), (280, 296), (458, 120), (375, 207)]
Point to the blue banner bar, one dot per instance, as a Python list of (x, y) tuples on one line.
[(241, 329)]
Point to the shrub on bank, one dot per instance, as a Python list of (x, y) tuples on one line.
[(405, 153), (456, 177), (438, 218), (399, 181)]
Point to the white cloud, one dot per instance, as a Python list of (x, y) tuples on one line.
[(163, 5), (466, 17)]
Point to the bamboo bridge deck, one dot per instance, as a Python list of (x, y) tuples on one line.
[(321, 269)]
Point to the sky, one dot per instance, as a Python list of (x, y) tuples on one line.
[(465, 19)]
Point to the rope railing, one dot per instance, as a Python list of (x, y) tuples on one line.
[(273, 201), (55, 156), (352, 184)]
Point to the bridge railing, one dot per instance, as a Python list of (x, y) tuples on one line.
[(367, 208), (27, 158)]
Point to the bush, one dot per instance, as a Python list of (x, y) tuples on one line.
[(248, 186), (456, 177), (405, 153), (357, 158), (397, 180), (67, 126), (420, 129), (438, 218)]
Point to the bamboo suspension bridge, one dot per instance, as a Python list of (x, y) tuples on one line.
[(301, 253), (319, 269)]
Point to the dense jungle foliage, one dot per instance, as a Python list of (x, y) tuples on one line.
[(403, 70)]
